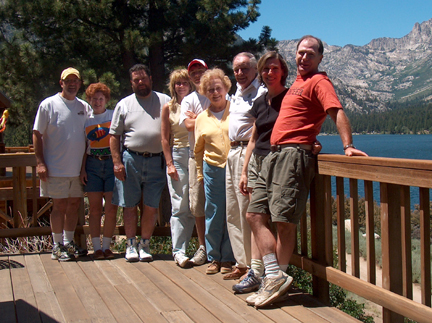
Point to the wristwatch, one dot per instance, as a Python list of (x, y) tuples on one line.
[(348, 146)]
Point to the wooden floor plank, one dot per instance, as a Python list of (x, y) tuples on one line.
[(139, 273), (227, 303), (330, 314), (25, 300), (115, 302), (93, 303), (7, 306), (70, 304), (47, 304), (185, 293)]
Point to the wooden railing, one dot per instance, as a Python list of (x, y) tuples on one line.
[(395, 177)]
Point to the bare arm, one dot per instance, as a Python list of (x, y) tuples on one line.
[(119, 169), (344, 128), (83, 174), (189, 122), (244, 176), (165, 132), (41, 167)]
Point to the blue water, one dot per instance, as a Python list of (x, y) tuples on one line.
[(393, 146)]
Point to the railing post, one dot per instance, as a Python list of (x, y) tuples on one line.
[(20, 197), (391, 245), (320, 286)]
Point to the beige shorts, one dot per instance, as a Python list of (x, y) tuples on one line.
[(61, 187)]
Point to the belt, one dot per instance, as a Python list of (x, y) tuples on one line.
[(239, 143), (275, 148), (144, 154), (100, 157)]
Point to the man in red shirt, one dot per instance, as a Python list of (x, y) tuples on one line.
[(282, 189)]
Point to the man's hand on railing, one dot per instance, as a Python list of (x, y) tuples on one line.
[(354, 152), (42, 171)]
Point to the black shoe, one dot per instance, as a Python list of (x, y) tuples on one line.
[(73, 249)]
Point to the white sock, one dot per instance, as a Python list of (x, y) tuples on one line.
[(106, 243), (68, 236), (257, 266), (96, 243), (57, 238), (271, 265)]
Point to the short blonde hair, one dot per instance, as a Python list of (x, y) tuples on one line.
[(177, 76), (215, 73)]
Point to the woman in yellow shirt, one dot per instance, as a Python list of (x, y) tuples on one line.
[(211, 150)]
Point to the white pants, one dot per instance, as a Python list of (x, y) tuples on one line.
[(238, 228)]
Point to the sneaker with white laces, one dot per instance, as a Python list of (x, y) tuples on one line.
[(181, 259), (144, 251), (61, 253), (131, 253), (200, 257), (273, 288), (250, 283), (250, 300)]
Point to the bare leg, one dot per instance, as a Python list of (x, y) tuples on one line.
[(148, 221), (71, 218), (200, 227), (58, 214), (264, 238), (130, 221), (286, 238), (95, 202), (110, 216)]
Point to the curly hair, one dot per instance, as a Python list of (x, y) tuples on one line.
[(98, 87), (215, 73), (178, 76), (272, 54)]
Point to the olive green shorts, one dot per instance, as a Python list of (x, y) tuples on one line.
[(283, 185)]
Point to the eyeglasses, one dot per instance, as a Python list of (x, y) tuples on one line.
[(213, 90), (182, 83), (245, 70), (72, 81)]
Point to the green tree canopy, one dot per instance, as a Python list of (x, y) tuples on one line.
[(104, 38)]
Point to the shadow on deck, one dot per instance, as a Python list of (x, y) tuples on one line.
[(34, 288)]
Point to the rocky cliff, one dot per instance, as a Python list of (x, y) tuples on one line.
[(387, 69)]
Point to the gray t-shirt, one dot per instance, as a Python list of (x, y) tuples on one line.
[(138, 122)]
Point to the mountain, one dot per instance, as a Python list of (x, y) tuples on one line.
[(385, 70)]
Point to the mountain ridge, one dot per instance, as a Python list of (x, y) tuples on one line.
[(385, 70)]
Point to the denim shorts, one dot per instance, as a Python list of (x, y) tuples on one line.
[(282, 187), (100, 175), (145, 177)]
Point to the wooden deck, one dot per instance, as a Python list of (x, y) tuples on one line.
[(34, 288)]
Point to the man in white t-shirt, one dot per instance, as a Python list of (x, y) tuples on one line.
[(59, 143), (192, 105), (139, 165)]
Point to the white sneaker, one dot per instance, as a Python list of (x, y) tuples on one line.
[(200, 257), (181, 259), (144, 251), (131, 253)]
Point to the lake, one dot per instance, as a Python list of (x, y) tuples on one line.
[(394, 146)]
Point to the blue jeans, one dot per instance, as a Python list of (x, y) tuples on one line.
[(145, 178), (182, 220), (216, 235)]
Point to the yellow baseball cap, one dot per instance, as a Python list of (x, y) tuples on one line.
[(70, 71)]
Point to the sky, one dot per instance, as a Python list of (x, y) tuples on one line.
[(339, 22)]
